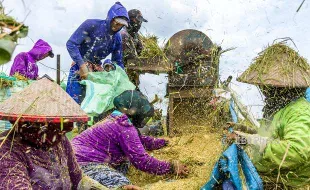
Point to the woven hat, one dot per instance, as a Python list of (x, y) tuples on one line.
[(42, 101), (280, 66)]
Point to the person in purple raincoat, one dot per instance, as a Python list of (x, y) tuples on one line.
[(104, 150), (25, 63)]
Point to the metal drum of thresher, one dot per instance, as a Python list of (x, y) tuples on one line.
[(194, 75)]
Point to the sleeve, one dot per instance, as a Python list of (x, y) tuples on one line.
[(19, 66), (117, 54), (76, 39), (151, 143), (129, 51), (295, 143), (13, 173), (131, 145), (74, 170), (139, 47)]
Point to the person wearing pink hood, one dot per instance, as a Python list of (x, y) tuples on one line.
[(25, 62)]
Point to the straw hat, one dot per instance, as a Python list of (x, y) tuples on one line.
[(42, 101), (278, 65)]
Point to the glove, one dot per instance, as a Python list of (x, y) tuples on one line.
[(88, 183), (254, 139)]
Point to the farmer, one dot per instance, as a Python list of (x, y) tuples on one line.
[(287, 147), (105, 150), (25, 63), (132, 45), (93, 41), (35, 153)]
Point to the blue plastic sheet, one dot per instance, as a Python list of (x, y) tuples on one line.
[(233, 111), (226, 172), (308, 94)]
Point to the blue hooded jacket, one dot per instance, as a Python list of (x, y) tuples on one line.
[(93, 41)]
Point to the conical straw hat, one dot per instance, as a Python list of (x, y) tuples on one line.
[(278, 65), (42, 101)]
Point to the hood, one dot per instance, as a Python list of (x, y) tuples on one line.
[(40, 49), (117, 10)]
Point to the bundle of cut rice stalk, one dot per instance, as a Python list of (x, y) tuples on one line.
[(151, 48)]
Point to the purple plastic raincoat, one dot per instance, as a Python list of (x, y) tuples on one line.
[(25, 62)]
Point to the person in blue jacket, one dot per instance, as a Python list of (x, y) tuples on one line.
[(93, 41)]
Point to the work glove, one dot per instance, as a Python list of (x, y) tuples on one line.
[(254, 139)]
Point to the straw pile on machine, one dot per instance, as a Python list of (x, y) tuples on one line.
[(150, 47)]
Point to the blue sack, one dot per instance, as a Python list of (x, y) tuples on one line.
[(226, 172)]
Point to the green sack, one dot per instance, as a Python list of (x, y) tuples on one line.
[(102, 88)]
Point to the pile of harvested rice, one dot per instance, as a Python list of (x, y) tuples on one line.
[(199, 151)]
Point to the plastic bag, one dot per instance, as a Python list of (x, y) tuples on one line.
[(102, 88)]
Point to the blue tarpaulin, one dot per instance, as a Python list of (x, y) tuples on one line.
[(226, 171), (308, 94)]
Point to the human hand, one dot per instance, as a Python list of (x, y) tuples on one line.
[(166, 142), (179, 169), (83, 72), (241, 127)]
